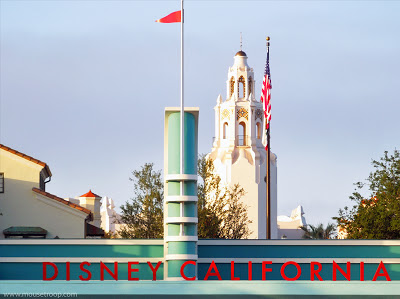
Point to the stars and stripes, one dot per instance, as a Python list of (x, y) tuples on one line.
[(266, 99), (266, 94)]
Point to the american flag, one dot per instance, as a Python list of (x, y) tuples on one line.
[(266, 95)]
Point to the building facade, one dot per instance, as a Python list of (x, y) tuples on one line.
[(26, 208)]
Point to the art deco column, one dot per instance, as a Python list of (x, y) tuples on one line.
[(180, 194)]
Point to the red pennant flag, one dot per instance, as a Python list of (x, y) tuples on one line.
[(174, 17)]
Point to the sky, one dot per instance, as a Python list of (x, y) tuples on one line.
[(84, 84)]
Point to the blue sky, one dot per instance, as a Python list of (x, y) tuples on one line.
[(84, 85)]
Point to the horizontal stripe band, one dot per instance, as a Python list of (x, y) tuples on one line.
[(181, 238), (181, 220), (82, 242), (181, 177), (303, 242), (299, 260), (181, 198), (191, 257), (79, 259)]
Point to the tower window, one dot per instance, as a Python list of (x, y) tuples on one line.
[(242, 138), (258, 131), (225, 131), (232, 82), (242, 87), (250, 85)]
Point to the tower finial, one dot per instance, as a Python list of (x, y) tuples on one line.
[(240, 41)]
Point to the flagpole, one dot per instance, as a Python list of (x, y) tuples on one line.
[(182, 141), (268, 170)]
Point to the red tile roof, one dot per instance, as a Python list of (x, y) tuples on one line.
[(90, 194), (66, 202), (29, 158)]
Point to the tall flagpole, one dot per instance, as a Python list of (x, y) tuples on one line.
[(268, 167), (182, 155)]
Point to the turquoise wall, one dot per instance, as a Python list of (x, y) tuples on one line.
[(226, 250)]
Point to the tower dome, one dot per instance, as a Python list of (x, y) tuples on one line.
[(241, 53)]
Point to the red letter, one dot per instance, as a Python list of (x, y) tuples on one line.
[(130, 270), (250, 271), (104, 267), (154, 269), (315, 271), (45, 271), (361, 271), (381, 266), (68, 271), (233, 271), (183, 268), (85, 270), (213, 266), (337, 267), (283, 271), (264, 263)]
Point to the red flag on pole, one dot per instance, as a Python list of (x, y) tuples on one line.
[(174, 17)]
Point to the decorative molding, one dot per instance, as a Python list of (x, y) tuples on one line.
[(258, 114), (242, 112), (225, 114)]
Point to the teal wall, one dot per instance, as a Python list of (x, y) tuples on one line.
[(190, 146), (207, 250)]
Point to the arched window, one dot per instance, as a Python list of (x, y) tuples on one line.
[(250, 85), (225, 131), (242, 87), (232, 82), (242, 134), (258, 127)]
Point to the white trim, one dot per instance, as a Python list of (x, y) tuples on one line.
[(303, 242), (181, 220), (177, 198), (81, 242), (181, 177), (61, 206), (181, 238), (173, 279), (79, 259), (170, 257), (299, 260)]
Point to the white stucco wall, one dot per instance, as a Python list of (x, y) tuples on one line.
[(21, 206), (244, 163)]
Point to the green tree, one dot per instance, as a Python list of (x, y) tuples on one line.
[(318, 232), (376, 216), (221, 212), (143, 215)]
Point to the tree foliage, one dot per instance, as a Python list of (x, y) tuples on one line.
[(222, 213), (143, 215), (318, 232), (376, 216)]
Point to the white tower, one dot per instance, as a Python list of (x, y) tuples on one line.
[(238, 151)]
